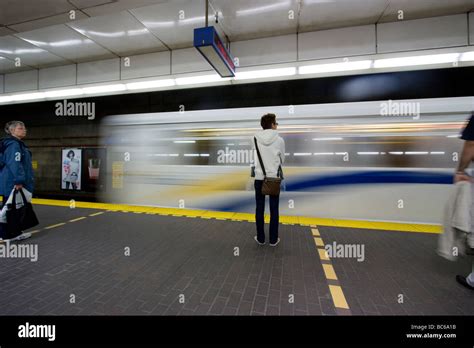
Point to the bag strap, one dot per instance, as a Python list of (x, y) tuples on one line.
[(260, 157), (22, 196)]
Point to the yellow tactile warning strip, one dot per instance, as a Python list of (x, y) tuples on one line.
[(60, 224), (219, 215), (335, 288)]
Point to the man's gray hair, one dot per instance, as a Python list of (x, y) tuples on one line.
[(10, 126)]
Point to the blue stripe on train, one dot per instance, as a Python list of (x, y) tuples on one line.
[(354, 178)]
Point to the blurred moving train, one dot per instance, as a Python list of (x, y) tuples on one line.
[(381, 161)]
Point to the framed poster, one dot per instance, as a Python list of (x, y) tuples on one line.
[(94, 169), (71, 169)]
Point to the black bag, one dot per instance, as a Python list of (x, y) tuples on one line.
[(5, 233), (271, 186), (20, 219)]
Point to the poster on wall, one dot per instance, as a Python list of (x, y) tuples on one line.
[(93, 168), (71, 169)]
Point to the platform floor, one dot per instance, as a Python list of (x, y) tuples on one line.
[(195, 266)]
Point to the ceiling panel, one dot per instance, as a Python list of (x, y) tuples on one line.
[(327, 14), (250, 19), (121, 5), (5, 31), (7, 66), (90, 3), (121, 33), (165, 22), (12, 47), (67, 43), (17, 11), (425, 8), (45, 22)]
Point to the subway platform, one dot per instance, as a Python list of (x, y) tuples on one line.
[(105, 259)]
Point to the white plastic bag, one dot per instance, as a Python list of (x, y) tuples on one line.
[(19, 203)]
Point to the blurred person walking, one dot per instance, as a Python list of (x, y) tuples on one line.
[(467, 157)]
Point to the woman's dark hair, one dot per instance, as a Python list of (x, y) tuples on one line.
[(267, 121), (70, 153)]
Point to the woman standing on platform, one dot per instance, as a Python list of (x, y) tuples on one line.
[(16, 169)]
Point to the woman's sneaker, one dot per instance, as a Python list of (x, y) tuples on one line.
[(256, 239), (276, 243), (21, 236), (463, 281)]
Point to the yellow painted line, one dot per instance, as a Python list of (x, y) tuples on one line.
[(319, 242), (95, 214), (323, 255), (302, 220), (336, 291), (289, 219), (389, 226), (34, 231), (329, 272), (338, 296), (244, 217), (53, 226), (78, 219)]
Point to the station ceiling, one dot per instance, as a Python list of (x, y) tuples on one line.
[(46, 33)]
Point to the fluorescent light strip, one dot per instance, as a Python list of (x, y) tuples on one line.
[(437, 153), (416, 60), (64, 93), (184, 141), (324, 139), (104, 89), (5, 99), (28, 96), (150, 84), (335, 67), (395, 152), (199, 79), (416, 152), (368, 153), (302, 154), (191, 155), (467, 56), (267, 73), (324, 153)]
